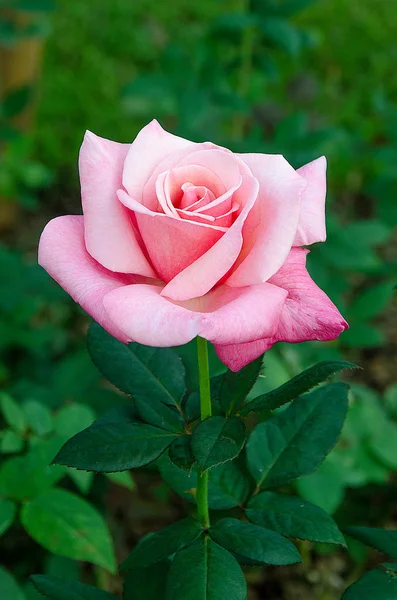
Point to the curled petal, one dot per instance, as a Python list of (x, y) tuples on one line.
[(101, 164), (311, 226), (63, 255), (308, 314), (199, 277), (150, 147), (172, 243), (270, 229)]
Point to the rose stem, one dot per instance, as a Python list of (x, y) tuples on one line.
[(205, 411)]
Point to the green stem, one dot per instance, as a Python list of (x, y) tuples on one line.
[(205, 412)]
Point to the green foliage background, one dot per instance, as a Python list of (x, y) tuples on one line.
[(299, 77)]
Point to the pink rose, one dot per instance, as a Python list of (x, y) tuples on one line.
[(180, 239)]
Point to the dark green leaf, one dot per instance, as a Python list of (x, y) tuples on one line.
[(149, 374), (192, 403), (375, 584), (295, 442), (254, 542), (54, 588), (188, 354), (39, 5), (147, 584), (297, 386), (109, 447), (294, 518), (159, 415), (205, 571), (9, 589), (228, 485), (181, 454), (217, 440), (158, 546), (67, 525), (236, 386), (381, 539), (7, 515), (16, 101), (390, 567)]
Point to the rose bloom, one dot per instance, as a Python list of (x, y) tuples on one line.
[(181, 239)]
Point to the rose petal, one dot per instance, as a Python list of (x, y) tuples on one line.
[(150, 147), (101, 164), (63, 255), (225, 316), (198, 278), (236, 315), (311, 226), (270, 229), (148, 318), (172, 243), (308, 314)]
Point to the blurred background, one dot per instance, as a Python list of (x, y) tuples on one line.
[(297, 77)]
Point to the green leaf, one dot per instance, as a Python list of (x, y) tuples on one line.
[(374, 584), (122, 478), (159, 415), (10, 442), (7, 515), (38, 417), (54, 588), (109, 447), (9, 589), (383, 445), (205, 571), (254, 542), (372, 301), (73, 418), (147, 584), (217, 440), (294, 518), (82, 479), (228, 485), (188, 354), (13, 413), (65, 524), (325, 487), (297, 386), (158, 546), (381, 539), (16, 101), (295, 442), (24, 477), (148, 374), (236, 386), (181, 454)]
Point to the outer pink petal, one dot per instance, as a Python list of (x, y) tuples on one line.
[(225, 315), (172, 243), (308, 312), (270, 229), (148, 318), (63, 255), (236, 315), (236, 356), (198, 278), (308, 315), (109, 232), (150, 147), (311, 227)]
